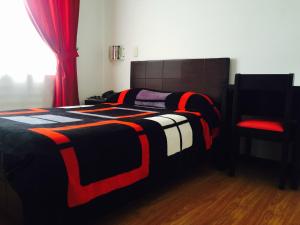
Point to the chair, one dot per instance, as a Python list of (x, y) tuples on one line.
[(262, 109)]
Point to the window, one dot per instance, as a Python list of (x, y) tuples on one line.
[(23, 53), (25, 60)]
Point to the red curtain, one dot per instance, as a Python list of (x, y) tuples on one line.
[(57, 23)]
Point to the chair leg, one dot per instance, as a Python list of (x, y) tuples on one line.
[(295, 166), (234, 151), (284, 165)]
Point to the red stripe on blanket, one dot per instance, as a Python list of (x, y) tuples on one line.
[(207, 98), (111, 103), (186, 96), (184, 99), (120, 101), (122, 96), (136, 127), (117, 117), (208, 138), (95, 110), (79, 194), (189, 112), (206, 134), (54, 136), (137, 115), (30, 111)]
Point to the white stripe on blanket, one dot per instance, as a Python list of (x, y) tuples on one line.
[(174, 133)]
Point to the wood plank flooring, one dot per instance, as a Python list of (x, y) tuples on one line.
[(205, 196), (210, 197)]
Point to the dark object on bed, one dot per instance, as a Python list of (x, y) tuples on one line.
[(32, 204), (254, 115)]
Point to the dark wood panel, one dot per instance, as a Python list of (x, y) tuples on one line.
[(139, 69), (154, 83), (273, 104), (154, 69), (139, 83), (172, 69)]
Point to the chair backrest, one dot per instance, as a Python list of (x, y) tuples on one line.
[(262, 95)]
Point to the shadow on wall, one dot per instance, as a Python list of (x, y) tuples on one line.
[(26, 92)]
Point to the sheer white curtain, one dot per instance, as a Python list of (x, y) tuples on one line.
[(27, 65)]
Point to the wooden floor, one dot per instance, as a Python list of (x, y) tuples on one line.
[(209, 197)]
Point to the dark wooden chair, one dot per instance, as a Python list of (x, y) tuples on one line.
[(262, 110)]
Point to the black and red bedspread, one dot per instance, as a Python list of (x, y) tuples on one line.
[(73, 155)]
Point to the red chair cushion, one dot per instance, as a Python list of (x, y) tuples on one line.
[(261, 125)]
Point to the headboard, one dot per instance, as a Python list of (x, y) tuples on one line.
[(209, 76)]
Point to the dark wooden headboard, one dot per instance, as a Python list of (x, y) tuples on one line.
[(209, 76)]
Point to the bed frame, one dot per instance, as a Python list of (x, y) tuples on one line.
[(208, 76)]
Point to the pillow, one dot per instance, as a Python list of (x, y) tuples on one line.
[(152, 99), (113, 98), (124, 97)]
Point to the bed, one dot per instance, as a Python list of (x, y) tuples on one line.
[(59, 159)]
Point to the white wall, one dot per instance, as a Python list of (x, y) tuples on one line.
[(91, 29), (260, 36)]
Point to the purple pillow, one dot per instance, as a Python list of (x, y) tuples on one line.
[(152, 99)]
